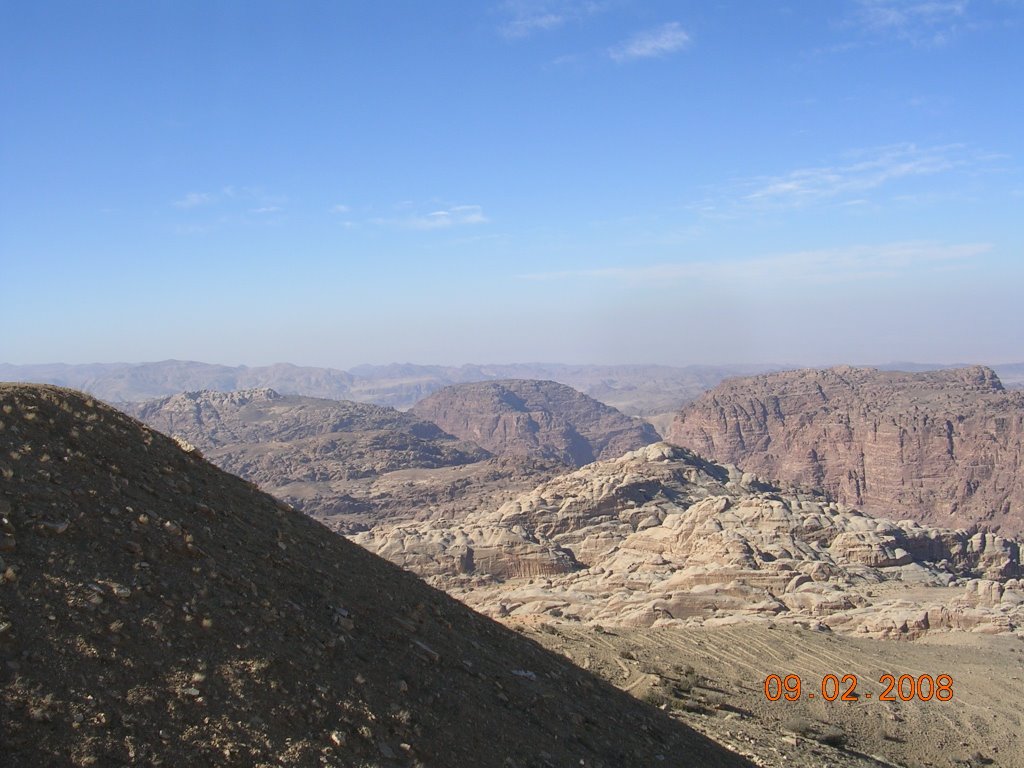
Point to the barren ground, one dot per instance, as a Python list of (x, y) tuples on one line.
[(713, 680)]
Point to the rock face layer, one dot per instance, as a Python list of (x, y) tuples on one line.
[(942, 447), (538, 419), (156, 610)]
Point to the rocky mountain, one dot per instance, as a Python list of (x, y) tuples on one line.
[(155, 610), (660, 537), (346, 464), (942, 447), (539, 419)]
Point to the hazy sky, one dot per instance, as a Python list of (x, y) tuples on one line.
[(330, 183)]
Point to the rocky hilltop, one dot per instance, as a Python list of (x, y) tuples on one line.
[(942, 447), (538, 419), (661, 537), (346, 464), (156, 610)]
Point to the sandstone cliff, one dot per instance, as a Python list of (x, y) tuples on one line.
[(540, 419), (942, 447)]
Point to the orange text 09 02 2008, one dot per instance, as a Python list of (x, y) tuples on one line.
[(834, 688)]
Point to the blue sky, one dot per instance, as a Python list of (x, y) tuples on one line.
[(332, 183)]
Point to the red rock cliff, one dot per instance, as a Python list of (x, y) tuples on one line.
[(943, 447)]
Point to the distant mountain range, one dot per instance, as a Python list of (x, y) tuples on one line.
[(636, 390)]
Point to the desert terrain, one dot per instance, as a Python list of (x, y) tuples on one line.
[(681, 582)]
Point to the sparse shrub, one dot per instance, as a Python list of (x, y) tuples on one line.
[(690, 678), (885, 733), (683, 687), (715, 699), (684, 670), (657, 698)]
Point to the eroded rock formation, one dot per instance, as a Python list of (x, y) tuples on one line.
[(662, 536)]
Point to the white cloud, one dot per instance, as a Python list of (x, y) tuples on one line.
[(927, 22), (442, 218), (822, 266), (341, 208), (662, 41), (872, 170), (194, 200), (231, 204), (455, 216), (849, 180), (527, 25), (527, 17)]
